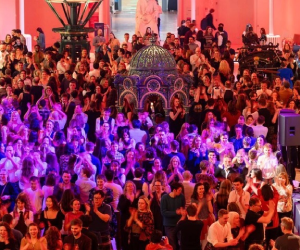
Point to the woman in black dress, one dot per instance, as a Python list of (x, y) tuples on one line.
[(177, 116), (25, 98), (51, 216)]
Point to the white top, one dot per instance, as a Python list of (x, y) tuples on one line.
[(267, 165), (36, 199), (260, 130), (11, 170), (268, 92), (234, 197), (218, 233), (117, 191), (85, 185)]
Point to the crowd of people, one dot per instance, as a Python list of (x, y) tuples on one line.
[(76, 173)]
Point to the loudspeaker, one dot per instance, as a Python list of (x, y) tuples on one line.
[(289, 128)]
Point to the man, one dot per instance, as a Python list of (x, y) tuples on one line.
[(239, 196), (241, 121), (181, 31), (38, 56), (189, 33), (192, 44), (219, 233), (230, 50), (101, 215), (35, 194), (288, 241), (163, 146), (86, 221), (226, 170), (264, 111), (116, 188), (77, 240), (171, 208), (139, 44), (197, 59), (121, 55), (254, 222), (264, 90), (66, 81), (260, 129), (188, 187), (95, 160), (190, 229), (210, 19), (10, 163), (237, 140), (221, 37), (60, 188), (174, 152), (17, 234), (98, 42), (126, 42), (285, 73), (285, 93), (136, 133)]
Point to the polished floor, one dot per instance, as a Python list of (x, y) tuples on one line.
[(124, 21)]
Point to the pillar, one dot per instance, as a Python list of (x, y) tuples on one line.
[(104, 13), (180, 12), (271, 17)]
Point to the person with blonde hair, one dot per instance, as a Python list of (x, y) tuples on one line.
[(140, 225), (285, 190), (224, 71)]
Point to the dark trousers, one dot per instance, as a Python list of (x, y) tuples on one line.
[(170, 233)]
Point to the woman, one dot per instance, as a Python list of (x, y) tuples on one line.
[(74, 214), (156, 166), (51, 216), (155, 204), (24, 99), (196, 154), (128, 200), (130, 164), (128, 110), (255, 179), (65, 202), (147, 36), (209, 37), (177, 116), (33, 239), (205, 175), (7, 39), (224, 71), (48, 188), (14, 126), (237, 230), (140, 155), (203, 202), (175, 170), (285, 190), (121, 123), (100, 181), (41, 39), (140, 225), (183, 131), (259, 145), (263, 36), (215, 61), (27, 170), (113, 43), (125, 142), (53, 238), (221, 197), (7, 239)]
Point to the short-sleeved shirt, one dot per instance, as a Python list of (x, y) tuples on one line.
[(83, 242), (99, 225), (288, 242), (251, 219)]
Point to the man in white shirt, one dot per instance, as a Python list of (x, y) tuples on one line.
[(264, 90), (220, 231), (10, 163), (239, 196), (197, 58), (260, 129), (126, 41), (36, 195)]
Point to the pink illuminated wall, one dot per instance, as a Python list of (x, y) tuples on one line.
[(235, 14)]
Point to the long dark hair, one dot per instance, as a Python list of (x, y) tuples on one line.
[(33, 225), (66, 198), (40, 30), (195, 191), (54, 201), (8, 229)]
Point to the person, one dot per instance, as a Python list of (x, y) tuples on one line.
[(239, 196), (52, 215), (77, 239), (7, 218), (101, 214), (53, 238), (41, 39), (177, 116), (190, 229), (220, 231), (188, 187), (171, 207), (75, 214), (288, 240), (237, 229), (33, 239), (146, 16), (86, 221), (140, 225), (7, 240), (254, 222)]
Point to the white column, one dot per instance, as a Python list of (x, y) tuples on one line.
[(22, 25), (193, 9), (271, 17)]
